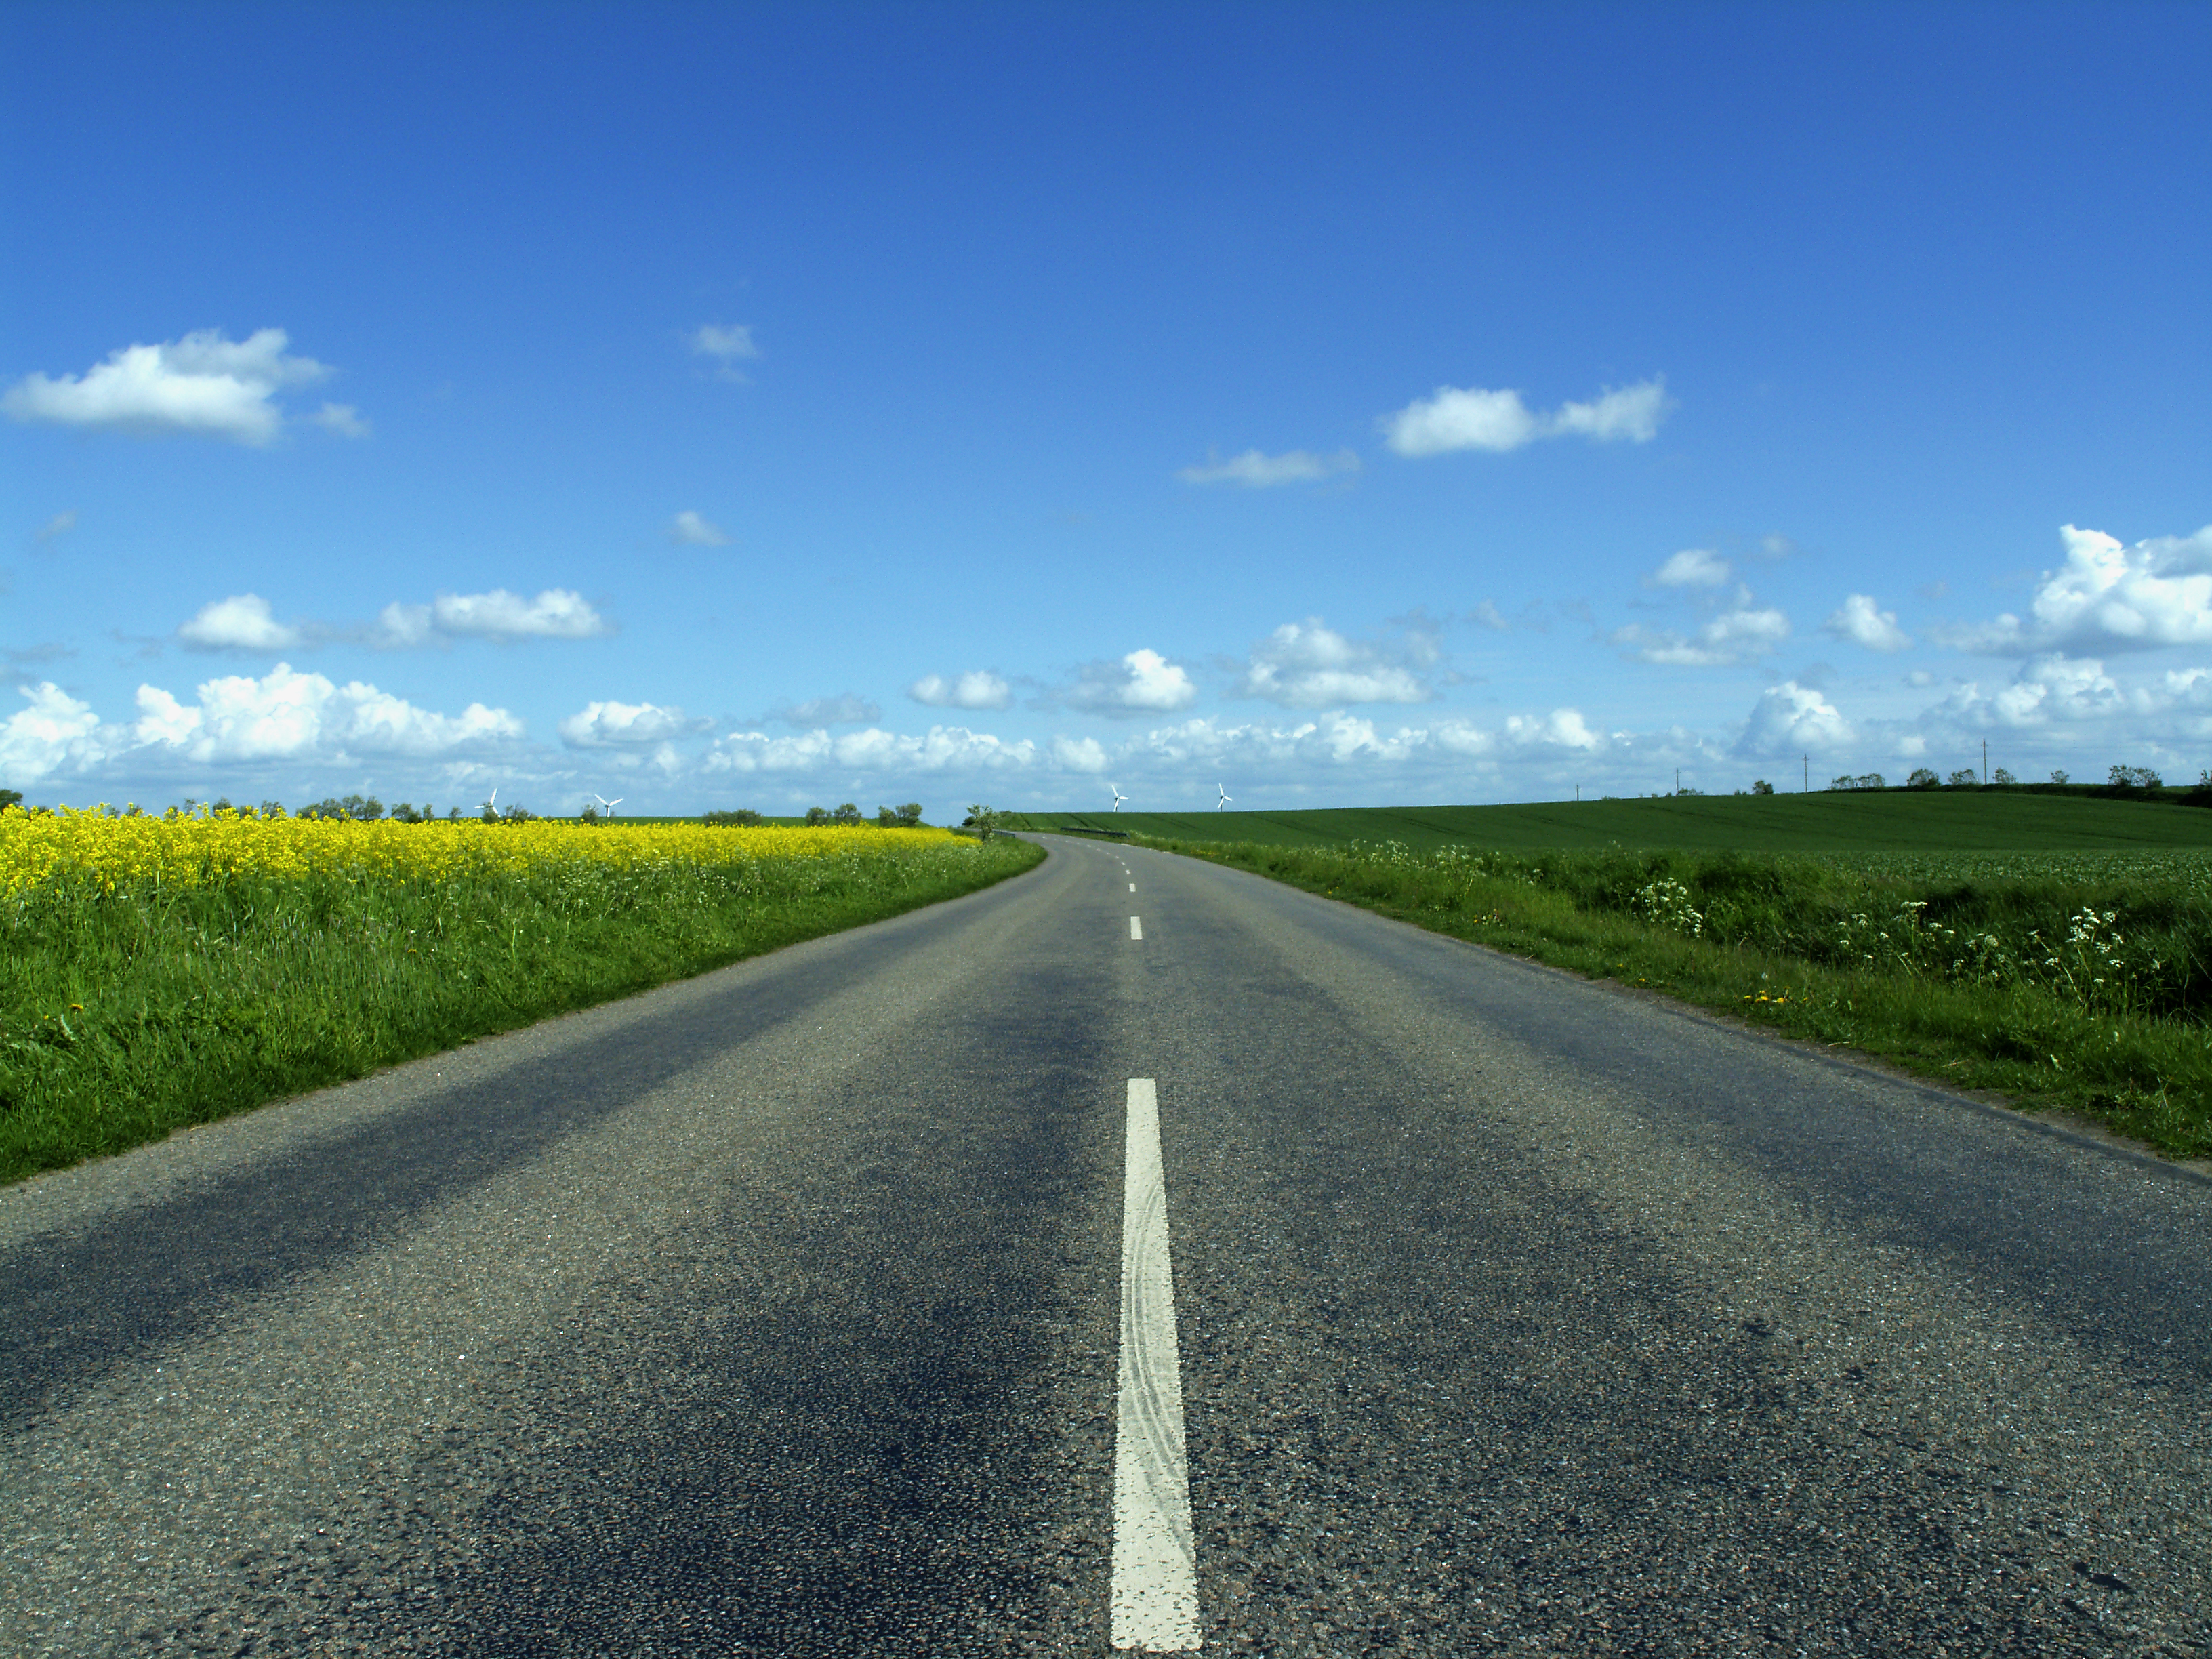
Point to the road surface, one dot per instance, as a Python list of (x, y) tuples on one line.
[(837, 1302)]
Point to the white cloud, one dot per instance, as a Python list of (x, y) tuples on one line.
[(344, 419), (2047, 690), (1078, 754), (1693, 566), (1309, 665), (726, 345), (942, 748), (201, 384), (1632, 412), (555, 614), (56, 734), (242, 623), (2112, 597), (977, 688), (1143, 682), (1792, 718), (1563, 728), (1864, 622), (1487, 615), (846, 710), (56, 527), (1257, 471), (237, 720), (626, 725), (1737, 635), (690, 530), (1473, 418), (288, 715)]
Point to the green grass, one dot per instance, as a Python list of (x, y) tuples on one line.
[(2081, 980), (2033, 818), (123, 1018)]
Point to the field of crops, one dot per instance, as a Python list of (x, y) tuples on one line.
[(1900, 820), (2077, 978), (158, 971)]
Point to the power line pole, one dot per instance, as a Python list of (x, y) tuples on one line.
[(1985, 762), (1808, 774)]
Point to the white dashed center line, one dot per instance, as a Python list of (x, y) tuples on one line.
[(1136, 928), (1155, 1595), (1133, 886)]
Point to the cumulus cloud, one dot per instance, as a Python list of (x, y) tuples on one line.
[(1563, 728), (242, 623), (283, 715), (941, 749), (555, 614), (203, 384), (844, 710), (1473, 418), (725, 345), (1487, 615), (2049, 690), (2112, 597), (56, 735), (627, 725), (1862, 622), (1255, 471), (1791, 719), (976, 689), (1143, 682), (1693, 566), (1309, 665), (1740, 635), (688, 529), (56, 527)]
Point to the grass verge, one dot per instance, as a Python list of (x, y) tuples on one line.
[(2078, 981), (129, 1012)]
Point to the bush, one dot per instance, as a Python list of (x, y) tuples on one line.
[(1761, 787), (2005, 779), (1922, 778), (1864, 781), (738, 817), (1964, 778), (2134, 777), (817, 817)]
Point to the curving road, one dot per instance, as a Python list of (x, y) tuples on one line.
[(828, 1304)]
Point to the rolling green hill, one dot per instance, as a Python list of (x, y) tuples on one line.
[(1900, 820)]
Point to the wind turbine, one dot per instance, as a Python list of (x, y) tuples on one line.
[(608, 806), (1225, 798), (1118, 798)]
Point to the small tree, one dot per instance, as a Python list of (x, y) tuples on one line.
[(737, 817), (982, 820), (10, 797), (1964, 778), (1922, 778), (817, 817), (846, 813), (2003, 779), (910, 814), (2134, 777), (591, 812), (885, 818), (1761, 787), (2058, 775), (403, 813)]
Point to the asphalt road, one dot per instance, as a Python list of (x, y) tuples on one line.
[(780, 1312)]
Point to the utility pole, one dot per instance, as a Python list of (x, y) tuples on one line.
[(1808, 774), (1985, 762), (1678, 779)]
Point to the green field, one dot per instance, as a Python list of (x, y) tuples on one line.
[(2027, 819)]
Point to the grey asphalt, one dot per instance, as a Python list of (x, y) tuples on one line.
[(776, 1313)]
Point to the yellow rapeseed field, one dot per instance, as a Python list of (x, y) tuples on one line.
[(113, 854)]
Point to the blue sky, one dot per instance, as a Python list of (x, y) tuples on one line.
[(730, 405)]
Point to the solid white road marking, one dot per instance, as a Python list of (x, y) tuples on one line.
[(1133, 886), (1136, 928), (1155, 1595)]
